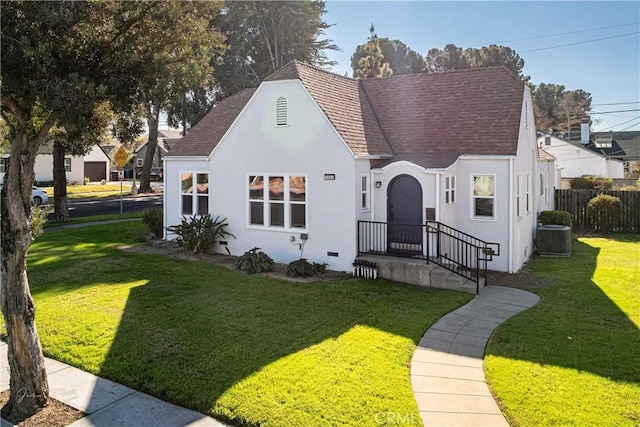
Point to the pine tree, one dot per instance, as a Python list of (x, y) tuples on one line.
[(372, 65)]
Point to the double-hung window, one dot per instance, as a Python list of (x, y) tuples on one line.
[(67, 164), (364, 191), (195, 193), (449, 190), (483, 196), (278, 201), (4, 164)]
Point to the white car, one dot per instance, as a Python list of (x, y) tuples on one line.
[(38, 194)]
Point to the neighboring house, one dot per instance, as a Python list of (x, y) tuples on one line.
[(95, 165), (167, 139), (295, 164), (578, 157), (624, 146)]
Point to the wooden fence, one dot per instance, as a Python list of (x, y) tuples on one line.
[(575, 202)]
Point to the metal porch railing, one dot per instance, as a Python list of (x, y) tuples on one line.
[(434, 241)]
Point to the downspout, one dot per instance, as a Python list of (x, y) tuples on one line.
[(510, 231), (372, 191), (164, 197), (437, 197)]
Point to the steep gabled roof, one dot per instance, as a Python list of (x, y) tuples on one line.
[(416, 116), (474, 111), (344, 102), (203, 138)]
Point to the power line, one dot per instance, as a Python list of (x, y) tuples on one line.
[(625, 122), (570, 32), (616, 111), (583, 42), (629, 127), (616, 103)]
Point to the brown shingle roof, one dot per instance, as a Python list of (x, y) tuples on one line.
[(416, 116), (202, 139), (344, 102), (474, 111)]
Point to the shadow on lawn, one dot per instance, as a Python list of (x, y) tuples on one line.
[(575, 325), (190, 337)]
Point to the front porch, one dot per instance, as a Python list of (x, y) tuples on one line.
[(433, 255)]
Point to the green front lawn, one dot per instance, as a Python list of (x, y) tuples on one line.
[(91, 191), (248, 349), (574, 358)]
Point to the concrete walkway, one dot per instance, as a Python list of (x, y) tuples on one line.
[(446, 368), (107, 403)]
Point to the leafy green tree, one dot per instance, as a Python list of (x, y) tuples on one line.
[(453, 57), (559, 109), (401, 59), (179, 63), (263, 36), (372, 64), (59, 59), (75, 141)]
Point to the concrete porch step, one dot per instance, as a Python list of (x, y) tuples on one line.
[(418, 272), (445, 279)]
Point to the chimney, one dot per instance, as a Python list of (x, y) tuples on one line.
[(584, 132)]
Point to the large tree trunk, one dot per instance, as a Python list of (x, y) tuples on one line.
[(29, 390), (152, 113), (60, 201)]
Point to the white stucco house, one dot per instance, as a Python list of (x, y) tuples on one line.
[(301, 163), (578, 158), (95, 165)]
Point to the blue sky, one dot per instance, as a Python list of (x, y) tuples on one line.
[(609, 69)]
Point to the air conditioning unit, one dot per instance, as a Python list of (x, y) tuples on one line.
[(554, 240)]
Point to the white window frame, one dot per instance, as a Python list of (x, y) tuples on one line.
[(473, 198), (543, 186), (450, 190), (67, 164), (195, 196), (4, 164), (365, 198), (287, 202), (282, 112), (139, 162)]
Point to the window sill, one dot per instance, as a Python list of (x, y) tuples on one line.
[(276, 229), (483, 218)]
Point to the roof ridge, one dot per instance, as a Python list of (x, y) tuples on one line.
[(322, 70)]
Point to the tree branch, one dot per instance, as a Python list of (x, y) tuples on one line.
[(16, 109)]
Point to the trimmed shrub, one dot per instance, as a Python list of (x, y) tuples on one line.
[(254, 261), (37, 220), (588, 182), (555, 218), (153, 220), (200, 234), (604, 212), (303, 268), (581, 183)]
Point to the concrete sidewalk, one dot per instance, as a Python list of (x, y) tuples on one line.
[(107, 403), (446, 369)]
